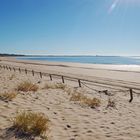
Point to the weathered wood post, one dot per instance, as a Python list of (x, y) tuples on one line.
[(14, 69), (33, 72), (50, 77), (79, 83), (10, 68), (25, 71), (40, 74), (19, 70), (131, 95), (63, 79)]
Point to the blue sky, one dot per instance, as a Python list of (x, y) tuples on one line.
[(78, 27)]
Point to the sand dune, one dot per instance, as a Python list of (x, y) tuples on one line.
[(70, 120)]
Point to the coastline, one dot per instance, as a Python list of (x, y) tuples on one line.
[(130, 73), (115, 67)]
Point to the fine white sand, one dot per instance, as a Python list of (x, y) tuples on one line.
[(69, 120)]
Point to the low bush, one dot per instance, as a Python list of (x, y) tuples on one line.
[(29, 123), (27, 86), (55, 86), (82, 99), (8, 96)]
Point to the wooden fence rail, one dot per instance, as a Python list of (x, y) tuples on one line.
[(71, 79)]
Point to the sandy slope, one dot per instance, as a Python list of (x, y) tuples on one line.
[(69, 120)]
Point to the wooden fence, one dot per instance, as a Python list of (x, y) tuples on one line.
[(80, 81)]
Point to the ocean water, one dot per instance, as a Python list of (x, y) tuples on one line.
[(117, 60)]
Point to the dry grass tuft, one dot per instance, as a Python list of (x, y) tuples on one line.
[(8, 96), (71, 90), (27, 86), (28, 123), (95, 102), (12, 76), (54, 86), (82, 99), (76, 97), (111, 103)]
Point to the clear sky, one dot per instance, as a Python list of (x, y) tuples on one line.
[(102, 27)]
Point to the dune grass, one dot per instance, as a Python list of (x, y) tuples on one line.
[(84, 100), (29, 123), (9, 96), (54, 86), (111, 103), (27, 86), (11, 77)]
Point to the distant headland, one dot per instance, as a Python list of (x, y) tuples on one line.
[(10, 55)]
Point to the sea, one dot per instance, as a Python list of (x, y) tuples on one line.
[(115, 60)]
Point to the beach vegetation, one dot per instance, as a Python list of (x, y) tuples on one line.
[(27, 86), (9, 96), (54, 86), (12, 76), (84, 100), (111, 103), (30, 123)]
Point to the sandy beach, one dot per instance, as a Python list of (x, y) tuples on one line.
[(70, 120)]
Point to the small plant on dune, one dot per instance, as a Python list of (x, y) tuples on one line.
[(27, 86), (60, 86), (31, 124), (12, 76), (8, 96), (111, 103), (55, 86), (76, 97), (70, 90), (95, 102)]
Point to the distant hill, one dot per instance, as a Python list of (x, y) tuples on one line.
[(9, 55)]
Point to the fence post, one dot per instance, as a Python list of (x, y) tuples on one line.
[(131, 95), (40, 74), (33, 72), (25, 71), (50, 77), (19, 70), (63, 79), (10, 68), (79, 82), (14, 69)]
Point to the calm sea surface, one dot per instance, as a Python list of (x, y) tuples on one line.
[(88, 59)]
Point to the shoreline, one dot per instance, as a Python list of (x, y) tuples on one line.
[(96, 72), (113, 67)]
